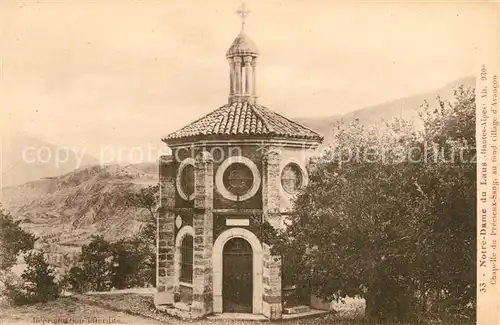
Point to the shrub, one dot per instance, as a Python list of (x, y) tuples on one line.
[(97, 264), (105, 265), (38, 282), (133, 264), (76, 280)]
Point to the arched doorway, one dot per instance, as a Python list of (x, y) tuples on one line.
[(237, 276), (217, 260)]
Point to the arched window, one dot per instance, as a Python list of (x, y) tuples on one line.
[(187, 259)]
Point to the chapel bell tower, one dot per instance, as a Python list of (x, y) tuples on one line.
[(242, 57), (231, 174)]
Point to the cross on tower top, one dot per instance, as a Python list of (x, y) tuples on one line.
[(243, 12)]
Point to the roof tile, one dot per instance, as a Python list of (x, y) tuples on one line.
[(244, 119)]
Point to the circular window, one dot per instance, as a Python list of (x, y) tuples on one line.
[(291, 178), (237, 179), (185, 179)]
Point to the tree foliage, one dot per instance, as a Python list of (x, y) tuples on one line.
[(38, 282), (76, 280), (389, 215), (13, 240), (135, 264), (126, 263), (97, 264), (148, 199), (104, 265)]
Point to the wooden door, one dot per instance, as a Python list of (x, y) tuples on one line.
[(237, 285)]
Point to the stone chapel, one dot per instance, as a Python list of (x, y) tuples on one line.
[(230, 172)]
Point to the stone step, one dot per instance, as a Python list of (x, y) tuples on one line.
[(310, 313), (296, 309), (173, 311), (180, 313), (182, 306), (237, 316)]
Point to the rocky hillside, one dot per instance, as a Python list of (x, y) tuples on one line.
[(66, 210)]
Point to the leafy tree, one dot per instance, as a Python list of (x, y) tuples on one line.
[(39, 283), (104, 265), (76, 280), (40, 279), (147, 199), (125, 263), (97, 264), (13, 240), (132, 267), (389, 215), (450, 189)]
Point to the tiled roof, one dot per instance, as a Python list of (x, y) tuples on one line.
[(242, 45), (244, 119)]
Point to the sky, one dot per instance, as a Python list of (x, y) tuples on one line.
[(125, 73)]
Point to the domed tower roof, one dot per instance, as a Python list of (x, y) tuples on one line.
[(242, 46)]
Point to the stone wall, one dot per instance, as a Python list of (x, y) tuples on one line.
[(271, 278), (271, 187), (185, 294), (292, 155), (255, 223), (165, 235), (252, 153), (270, 204), (203, 236), (219, 154)]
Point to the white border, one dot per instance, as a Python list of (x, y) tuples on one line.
[(303, 171), (186, 230), (219, 181), (184, 163), (257, 267)]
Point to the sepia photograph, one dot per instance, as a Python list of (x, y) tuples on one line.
[(230, 162)]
